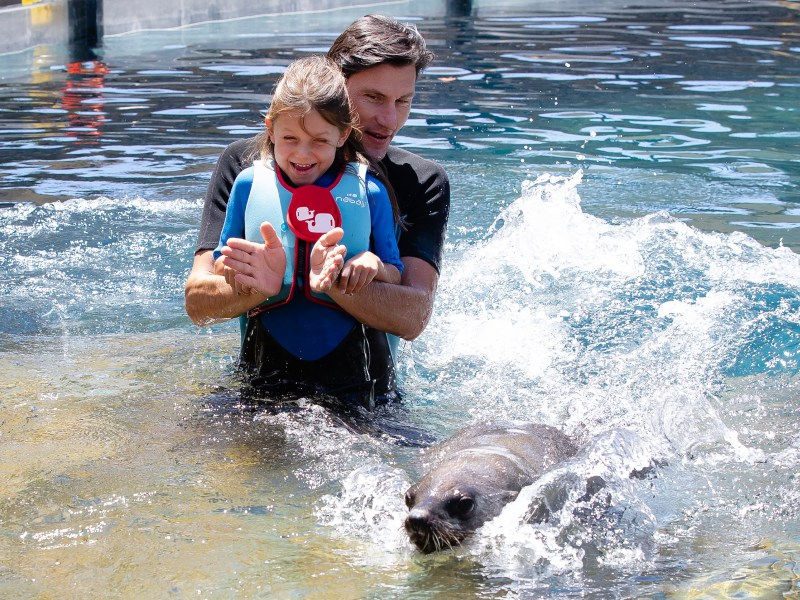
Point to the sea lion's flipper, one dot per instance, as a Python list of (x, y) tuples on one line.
[(595, 504), (537, 512)]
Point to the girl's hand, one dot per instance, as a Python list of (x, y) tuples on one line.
[(358, 272), (327, 258), (257, 266)]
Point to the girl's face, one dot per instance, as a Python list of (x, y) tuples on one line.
[(304, 152)]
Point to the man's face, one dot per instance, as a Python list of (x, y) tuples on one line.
[(382, 98)]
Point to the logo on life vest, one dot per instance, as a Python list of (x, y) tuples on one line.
[(312, 212), (351, 199)]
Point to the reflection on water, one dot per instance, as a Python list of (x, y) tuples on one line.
[(83, 101), (636, 297), (707, 96)]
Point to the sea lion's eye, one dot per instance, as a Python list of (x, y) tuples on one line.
[(461, 507), (409, 499)]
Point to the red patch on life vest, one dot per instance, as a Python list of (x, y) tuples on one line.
[(312, 212)]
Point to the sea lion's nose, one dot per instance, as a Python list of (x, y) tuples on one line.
[(418, 519)]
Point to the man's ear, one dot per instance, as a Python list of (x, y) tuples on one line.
[(343, 138)]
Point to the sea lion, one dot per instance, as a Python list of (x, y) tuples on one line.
[(474, 475)]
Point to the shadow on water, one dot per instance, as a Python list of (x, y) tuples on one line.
[(246, 406)]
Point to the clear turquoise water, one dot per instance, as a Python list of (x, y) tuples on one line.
[(640, 291)]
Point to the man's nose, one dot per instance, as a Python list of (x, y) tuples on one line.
[(387, 116)]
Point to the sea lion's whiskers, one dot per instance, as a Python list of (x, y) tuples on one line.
[(445, 534), (451, 540)]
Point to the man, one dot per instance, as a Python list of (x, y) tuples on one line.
[(381, 59)]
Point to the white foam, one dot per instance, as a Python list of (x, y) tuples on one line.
[(369, 507)]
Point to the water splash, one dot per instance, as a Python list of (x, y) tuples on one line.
[(643, 338), (94, 265), (369, 507), (558, 314)]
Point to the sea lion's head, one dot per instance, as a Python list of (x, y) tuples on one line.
[(452, 501), (474, 475)]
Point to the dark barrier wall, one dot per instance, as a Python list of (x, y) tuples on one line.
[(85, 19)]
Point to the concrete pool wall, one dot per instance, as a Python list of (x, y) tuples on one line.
[(30, 23)]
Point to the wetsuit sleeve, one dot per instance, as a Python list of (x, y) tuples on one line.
[(426, 219), (383, 240), (234, 215), (233, 160), (423, 193)]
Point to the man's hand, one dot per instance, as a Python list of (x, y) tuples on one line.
[(327, 258), (230, 278), (209, 298), (257, 266), (358, 272)]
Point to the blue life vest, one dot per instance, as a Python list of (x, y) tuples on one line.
[(269, 200)]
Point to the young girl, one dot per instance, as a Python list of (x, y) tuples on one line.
[(312, 179)]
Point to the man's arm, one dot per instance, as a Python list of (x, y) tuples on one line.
[(259, 266), (423, 193), (209, 298), (411, 302)]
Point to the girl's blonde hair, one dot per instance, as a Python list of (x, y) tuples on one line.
[(317, 83)]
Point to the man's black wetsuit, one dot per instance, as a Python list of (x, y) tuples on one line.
[(360, 369)]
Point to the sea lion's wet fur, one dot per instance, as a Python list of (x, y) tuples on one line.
[(474, 475)]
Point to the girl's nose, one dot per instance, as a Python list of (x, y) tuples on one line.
[(303, 150)]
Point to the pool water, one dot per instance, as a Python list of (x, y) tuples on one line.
[(621, 262)]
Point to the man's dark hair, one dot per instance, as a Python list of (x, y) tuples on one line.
[(375, 40)]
